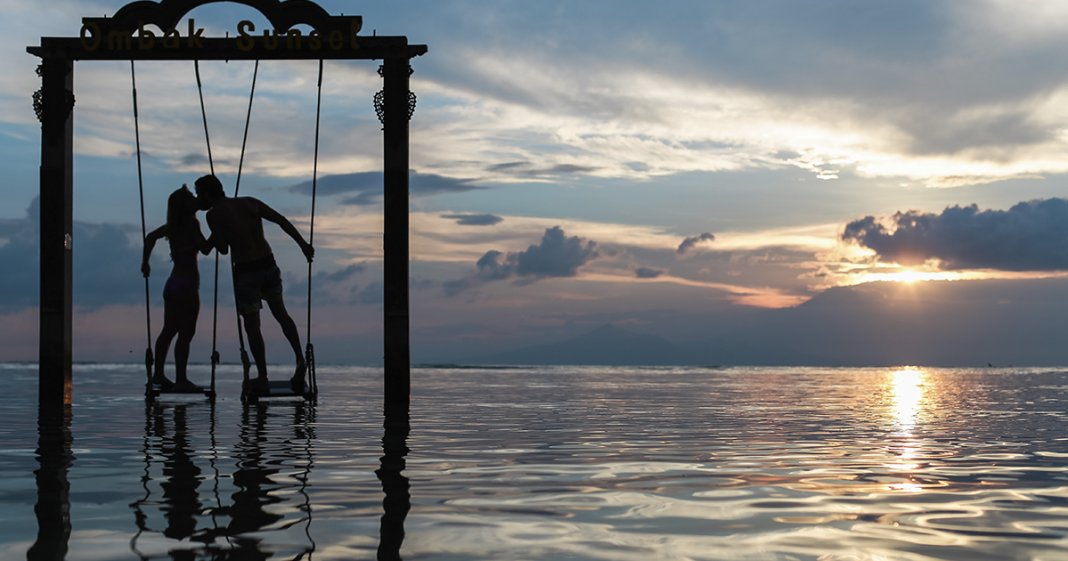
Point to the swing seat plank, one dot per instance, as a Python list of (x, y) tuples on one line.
[(275, 388), (156, 390)]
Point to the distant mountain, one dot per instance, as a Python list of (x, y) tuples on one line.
[(934, 323), (607, 345), (877, 324)]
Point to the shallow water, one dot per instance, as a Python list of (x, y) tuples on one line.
[(549, 463)]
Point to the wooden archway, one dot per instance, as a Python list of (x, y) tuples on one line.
[(128, 36)]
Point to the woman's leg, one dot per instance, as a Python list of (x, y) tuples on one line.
[(163, 342), (187, 327)]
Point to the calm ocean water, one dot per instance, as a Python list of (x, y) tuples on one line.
[(549, 463)]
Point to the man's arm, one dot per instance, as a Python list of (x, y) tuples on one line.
[(268, 213), (203, 245), (216, 241), (150, 244)]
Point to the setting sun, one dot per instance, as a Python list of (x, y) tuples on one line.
[(913, 276), (909, 276)]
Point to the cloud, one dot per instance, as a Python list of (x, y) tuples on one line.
[(365, 188), (331, 287), (106, 263), (647, 273), (192, 160), (371, 294), (531, 170), (692, 241), (556, 255), (1030, 236), (468, 219)]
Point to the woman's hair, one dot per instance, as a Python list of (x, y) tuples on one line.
[(181, 212)]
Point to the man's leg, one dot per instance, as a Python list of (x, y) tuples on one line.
[(289, 329), (255, 344)]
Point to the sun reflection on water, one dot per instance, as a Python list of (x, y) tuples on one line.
[(907, 390)]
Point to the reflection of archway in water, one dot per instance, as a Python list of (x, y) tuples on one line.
[(395, 487), (195, 523), (54, 459)]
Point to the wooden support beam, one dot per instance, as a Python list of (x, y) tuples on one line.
[(55, 107), (395, 114), (217, 48)]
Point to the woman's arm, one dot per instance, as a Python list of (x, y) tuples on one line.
[(150, 244), (216, 241)]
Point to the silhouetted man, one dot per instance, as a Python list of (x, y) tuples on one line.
[(237, 225)]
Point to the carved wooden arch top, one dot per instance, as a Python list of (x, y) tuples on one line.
[(283, 15)]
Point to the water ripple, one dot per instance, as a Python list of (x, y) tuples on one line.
[(544, 463)]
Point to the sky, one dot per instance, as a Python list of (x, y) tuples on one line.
[(819, 179)]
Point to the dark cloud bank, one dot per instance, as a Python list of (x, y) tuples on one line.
[(106, 264), (365, 188), (467, 219), (1030, 236)]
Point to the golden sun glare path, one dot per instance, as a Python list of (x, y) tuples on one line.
[(913, 276)]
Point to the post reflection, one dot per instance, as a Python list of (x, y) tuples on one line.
[(395, 486), (192, 509), (54, 459)]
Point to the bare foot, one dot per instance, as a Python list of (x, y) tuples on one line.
[(185, 385), (259, 385), (162, 382), (296, 383)]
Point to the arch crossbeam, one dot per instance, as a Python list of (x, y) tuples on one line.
[(257, 48)]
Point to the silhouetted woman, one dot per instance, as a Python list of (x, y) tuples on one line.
[(181, 294)]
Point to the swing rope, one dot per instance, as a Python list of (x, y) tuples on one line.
[(144, 231), (309, 353), (245, 362), (204, 114)]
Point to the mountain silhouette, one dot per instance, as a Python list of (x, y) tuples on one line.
[(606, 345)]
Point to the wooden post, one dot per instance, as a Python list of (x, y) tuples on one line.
[(56, 110), (395, 73)]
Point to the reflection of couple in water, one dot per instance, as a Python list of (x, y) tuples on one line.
[(269, 498), (236, 224)]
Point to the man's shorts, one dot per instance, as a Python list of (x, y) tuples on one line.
[(255, 281)]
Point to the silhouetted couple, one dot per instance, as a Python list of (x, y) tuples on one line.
[(236, 225)]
